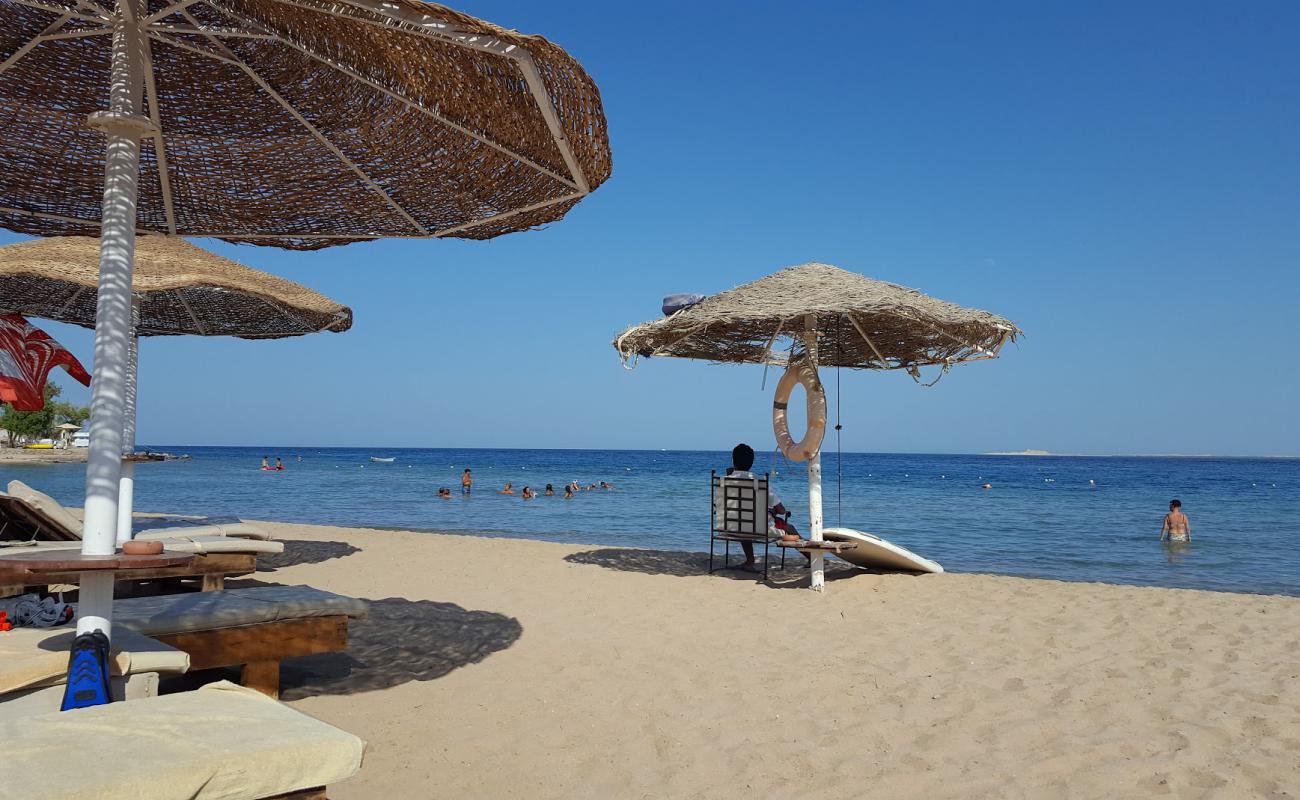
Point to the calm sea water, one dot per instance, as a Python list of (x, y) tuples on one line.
[(1043, 518)]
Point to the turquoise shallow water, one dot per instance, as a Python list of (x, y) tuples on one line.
[(1042, 518)]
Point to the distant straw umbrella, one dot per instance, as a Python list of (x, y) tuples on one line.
[(177, 289), (294, 123), (831, 317)]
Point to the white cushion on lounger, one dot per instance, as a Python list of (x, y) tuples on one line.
[(178, 544), (212, 543), (47, 506), (39, 656), (218, 743), (202, 611), (235, 530)]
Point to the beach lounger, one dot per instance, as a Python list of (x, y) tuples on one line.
[(254, 628), (220, 742), (26, 513), (34, 664), (739, 514)]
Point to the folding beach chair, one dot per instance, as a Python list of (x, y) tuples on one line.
[(739, 514)]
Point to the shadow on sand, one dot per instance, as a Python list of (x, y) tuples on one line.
[(401, 641), (683, 564), (296, 553)]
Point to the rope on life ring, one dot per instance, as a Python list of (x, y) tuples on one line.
[(804, 374)]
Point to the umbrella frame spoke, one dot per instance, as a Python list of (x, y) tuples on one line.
[(449, 34), (575, 182), (292, 111)]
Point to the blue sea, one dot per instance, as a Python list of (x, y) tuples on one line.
[(1069, 518)]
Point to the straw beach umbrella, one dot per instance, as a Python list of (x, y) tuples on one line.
[(177, 288), (296, 123), (818, 315)]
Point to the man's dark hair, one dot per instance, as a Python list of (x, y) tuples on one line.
[(742, 457), (1176, 503)]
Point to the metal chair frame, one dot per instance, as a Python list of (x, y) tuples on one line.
[(744, 516)]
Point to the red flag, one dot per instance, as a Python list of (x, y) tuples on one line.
[(27, 354)]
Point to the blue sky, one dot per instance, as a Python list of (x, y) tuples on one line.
[(1118, 178)]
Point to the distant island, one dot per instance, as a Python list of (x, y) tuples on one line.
[(1022, 453)]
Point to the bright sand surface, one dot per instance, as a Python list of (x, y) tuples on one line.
[(512, 668)]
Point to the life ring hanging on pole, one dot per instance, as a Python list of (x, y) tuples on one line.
[(804, 373)]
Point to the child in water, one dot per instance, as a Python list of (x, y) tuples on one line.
[(1176, 527), (444, 493)]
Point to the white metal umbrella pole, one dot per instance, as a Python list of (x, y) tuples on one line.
[(818, 559), (125, 126), (126, 483)]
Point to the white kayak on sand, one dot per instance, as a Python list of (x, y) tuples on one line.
[(872, 552)]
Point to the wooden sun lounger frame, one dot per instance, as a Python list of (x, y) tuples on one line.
[(259, 647), (211, 568)]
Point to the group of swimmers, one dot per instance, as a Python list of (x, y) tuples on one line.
[(571, 489), (266, 464)]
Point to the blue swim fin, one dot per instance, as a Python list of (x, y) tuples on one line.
[(87, 672)]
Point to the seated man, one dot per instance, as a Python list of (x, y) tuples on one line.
[(742, 460)]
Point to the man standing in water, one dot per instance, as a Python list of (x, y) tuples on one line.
[(1176, 528), (466, 482)]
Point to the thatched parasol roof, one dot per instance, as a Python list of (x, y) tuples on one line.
[(179, 289), (862, 323), (299, 123)]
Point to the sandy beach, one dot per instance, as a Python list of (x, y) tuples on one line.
[(511, 668), (23, 455)]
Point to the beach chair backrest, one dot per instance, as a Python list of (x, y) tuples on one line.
[(740, 505), (55, 521)]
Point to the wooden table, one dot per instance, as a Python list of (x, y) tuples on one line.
[(64, 566), (210, 568)]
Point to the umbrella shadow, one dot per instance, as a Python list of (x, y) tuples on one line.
[(683, 564), (400, 641), (305, 552), (678, 563)]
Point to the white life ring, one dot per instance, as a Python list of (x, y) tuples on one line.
[(803, 373)]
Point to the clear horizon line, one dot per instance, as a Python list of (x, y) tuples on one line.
[(995, 454)]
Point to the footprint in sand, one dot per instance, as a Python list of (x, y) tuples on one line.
[(1155, 784), (1205, 780), (1179, 741)]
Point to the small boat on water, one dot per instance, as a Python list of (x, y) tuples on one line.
[(379, 460)]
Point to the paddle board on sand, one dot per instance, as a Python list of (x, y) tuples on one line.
[(873, 552)]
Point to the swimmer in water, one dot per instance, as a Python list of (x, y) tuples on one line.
[(1176, 527), (550, 491), (444, 493), (568, 492), (265, 463), (509, 488), (529, 494)]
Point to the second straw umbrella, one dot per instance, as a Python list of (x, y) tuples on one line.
[(177, 289)]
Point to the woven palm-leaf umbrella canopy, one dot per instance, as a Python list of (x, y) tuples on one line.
[(861, 323), (299, 123), (178, 289), (294, 123), (817, 315)]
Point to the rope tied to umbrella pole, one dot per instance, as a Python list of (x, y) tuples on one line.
[(839, 442)]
